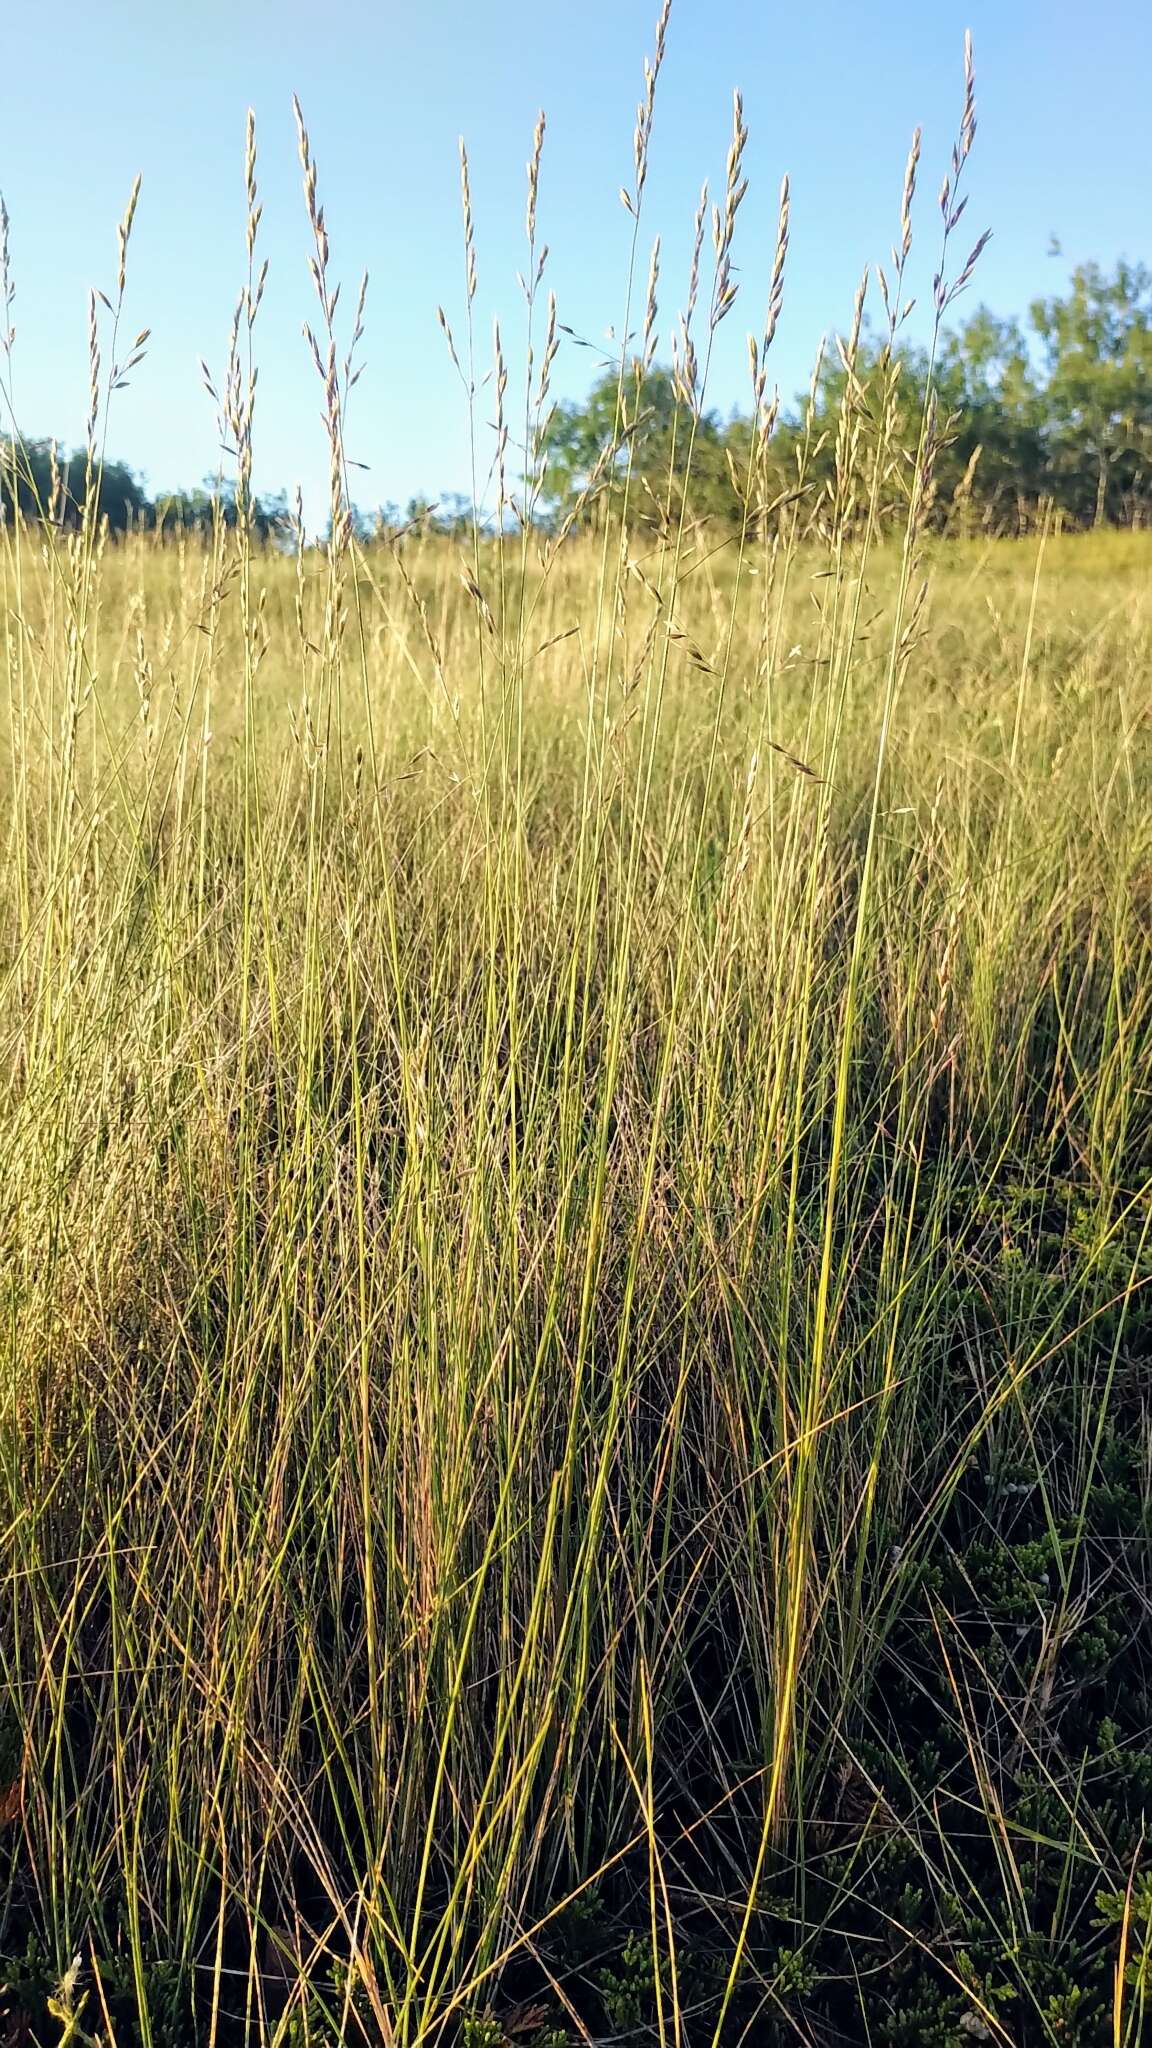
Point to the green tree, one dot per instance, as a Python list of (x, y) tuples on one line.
[(42, 487), (988, 387), (1097, 345), (197, 511), (674, 464)]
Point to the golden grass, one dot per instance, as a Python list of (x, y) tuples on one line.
[(535, 1100)]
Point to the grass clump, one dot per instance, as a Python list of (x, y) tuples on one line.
[(576, 1208)]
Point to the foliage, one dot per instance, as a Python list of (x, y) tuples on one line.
[(40, 483), (43, 483), (1061, 417), (669, 454), (199, 511), (1097, 345)]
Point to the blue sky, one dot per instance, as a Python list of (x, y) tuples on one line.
[(89, 96)]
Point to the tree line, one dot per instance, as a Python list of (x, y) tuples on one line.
[(47, 484), (1054, 412)]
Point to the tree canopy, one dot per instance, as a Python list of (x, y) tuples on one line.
[(1058, 412), (1053, 411), (46, 484)]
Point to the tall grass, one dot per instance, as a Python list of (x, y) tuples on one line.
[(575, 1210)]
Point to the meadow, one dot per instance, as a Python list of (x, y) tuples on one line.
[(576, 1202)]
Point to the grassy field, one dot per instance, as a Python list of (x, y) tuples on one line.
[(576, 1202)]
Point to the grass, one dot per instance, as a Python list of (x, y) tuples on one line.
[(576, 1217)]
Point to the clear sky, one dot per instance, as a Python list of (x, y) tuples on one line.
[(92, 94)]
